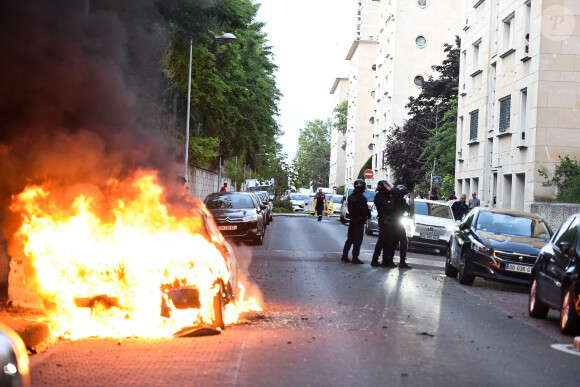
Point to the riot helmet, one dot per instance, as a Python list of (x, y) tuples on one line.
[(360, 185), (384, 185), (401, 189)]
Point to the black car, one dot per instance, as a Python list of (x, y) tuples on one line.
[(555, 277), (238, 215), (496, 244)]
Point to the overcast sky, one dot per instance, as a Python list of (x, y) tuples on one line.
[(310, 40)]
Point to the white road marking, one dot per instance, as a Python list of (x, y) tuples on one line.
[(568, 348)]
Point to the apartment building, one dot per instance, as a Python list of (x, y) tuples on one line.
[(339, 92), (360, 85), (411, 36), (519, 98)]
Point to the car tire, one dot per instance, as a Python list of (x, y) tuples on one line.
[(342, 219), (368, 230), (259, 240), (536, 308), (219, 307), (569, 319), (450, 270), (465, 277)]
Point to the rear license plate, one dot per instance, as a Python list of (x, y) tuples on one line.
[(429, 236), (227, 228), (518, 268)]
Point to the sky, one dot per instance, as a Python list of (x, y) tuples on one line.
[(310, 40)]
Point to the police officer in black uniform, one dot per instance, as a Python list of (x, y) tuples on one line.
[(385, 203), (359, 212), (319, 199), (399, 236)]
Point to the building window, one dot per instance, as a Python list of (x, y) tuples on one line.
[(527, 16), (421, 41), (504, 114), (473, 124), (523, 114), (508, 33), (476, 55), (419, 80)]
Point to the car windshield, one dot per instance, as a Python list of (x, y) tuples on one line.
[(511, 225), (337, 199), (298, 197), (218, 202), (433, 209)]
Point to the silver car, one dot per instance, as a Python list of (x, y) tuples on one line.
[(13, 359), (432, 226), (372, 224)]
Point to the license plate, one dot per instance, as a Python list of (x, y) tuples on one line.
[(429, 236), (227, 228), (518, 268)]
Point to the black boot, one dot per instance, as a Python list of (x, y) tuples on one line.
[(403, 265), (344, 258), (388, 264), (375, 262), (357, 261)]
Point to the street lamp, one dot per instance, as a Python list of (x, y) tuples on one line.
[(226, 36)]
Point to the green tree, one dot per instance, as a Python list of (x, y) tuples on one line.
[(341, 117), (566, 179), (312, 160), (438, 157), (233, 91)]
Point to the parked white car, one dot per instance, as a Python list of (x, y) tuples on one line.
[(336, 203), (298, 201), (434, 223)]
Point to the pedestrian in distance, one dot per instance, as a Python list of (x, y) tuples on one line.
[(474, 201), (452, 196), (384, 201), (459, 208), (398, 234), (358, 209), (319, 199), (224, 188)]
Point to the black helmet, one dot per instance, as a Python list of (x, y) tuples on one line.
[(402, 189), (384, 185), (360, 185)]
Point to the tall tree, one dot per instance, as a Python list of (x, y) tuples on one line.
[(312, 160)]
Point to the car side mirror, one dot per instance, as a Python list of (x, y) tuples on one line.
[(566, 249), (263, 206)]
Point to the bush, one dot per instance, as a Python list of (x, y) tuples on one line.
[(283, 206), (566, 179)]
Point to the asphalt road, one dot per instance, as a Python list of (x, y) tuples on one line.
[(326, 323)]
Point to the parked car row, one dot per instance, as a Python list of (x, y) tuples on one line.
[(506, 246), (241, 215)]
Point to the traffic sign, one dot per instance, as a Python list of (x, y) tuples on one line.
[(436, 179), (369, 174)]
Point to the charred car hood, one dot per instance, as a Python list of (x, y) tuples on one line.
[(512, 243)]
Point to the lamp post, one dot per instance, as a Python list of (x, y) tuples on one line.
[(226, 36)]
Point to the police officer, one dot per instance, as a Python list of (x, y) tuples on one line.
[(399, 236), (384, 201), (359, 212), (319, 203)]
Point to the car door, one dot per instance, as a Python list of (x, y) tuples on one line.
[(557, 260), (461, 237)]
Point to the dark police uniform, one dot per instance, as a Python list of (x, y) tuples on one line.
[(319, 200), (399, 236), (384, 202), (359, 212)]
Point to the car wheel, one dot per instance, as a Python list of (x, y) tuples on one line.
[(465, 277), (259, 240), (368, 230), (535, 307), (569, 319), (219, 306), (450, 270), (341, 219)]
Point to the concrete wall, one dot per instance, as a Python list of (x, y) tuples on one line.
[(554, 213)]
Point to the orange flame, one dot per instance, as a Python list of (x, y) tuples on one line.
[(122, 262)]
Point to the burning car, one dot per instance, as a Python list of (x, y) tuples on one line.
[(127, 263)]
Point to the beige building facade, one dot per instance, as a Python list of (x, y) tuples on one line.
[(411, 38), (360, 85), (519, 98), (339, 91)]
